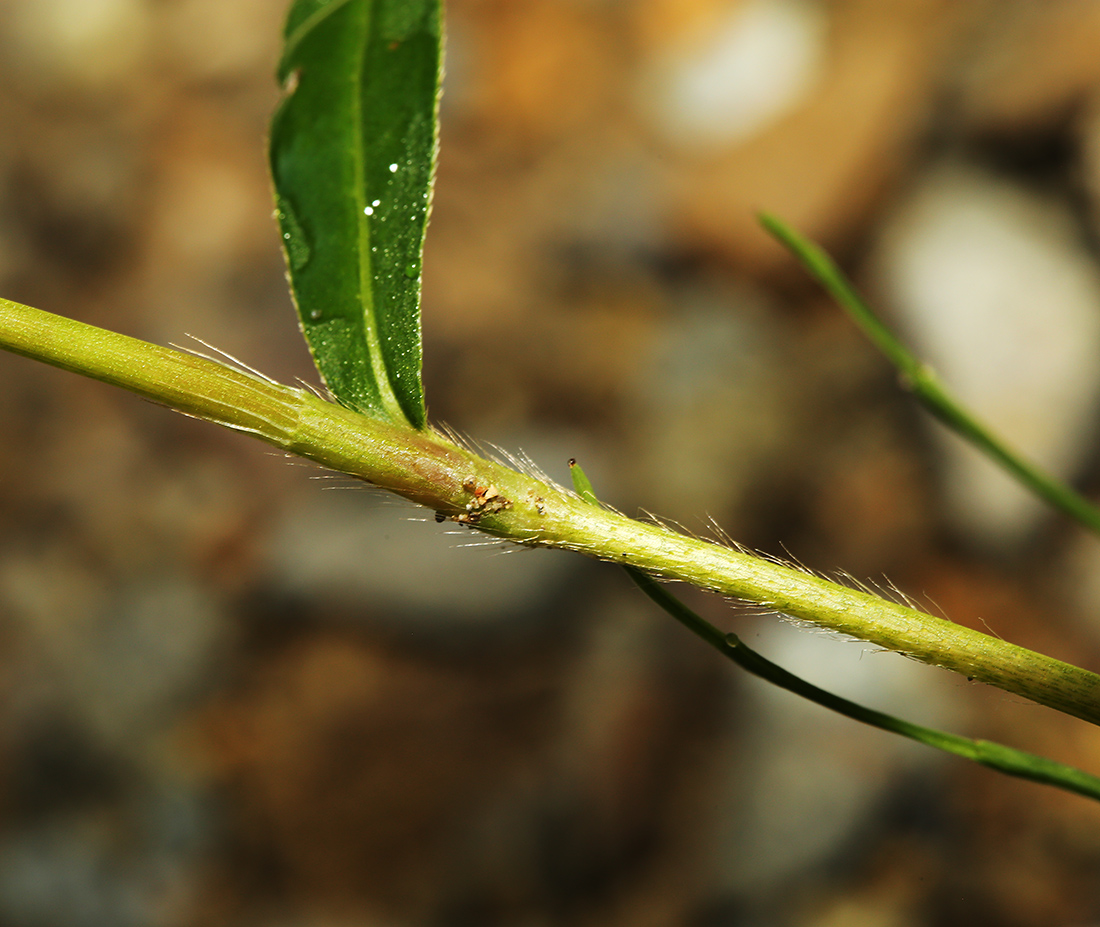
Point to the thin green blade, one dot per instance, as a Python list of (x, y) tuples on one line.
[(996, 756), (353, 160), (921, 380)]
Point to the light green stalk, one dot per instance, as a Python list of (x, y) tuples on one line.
[(996, 756), (921, 380), (433, 471)]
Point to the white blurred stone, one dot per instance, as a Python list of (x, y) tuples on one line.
[(729, 83), (359, 545), (95, 42), (996, 290), (806, 779)]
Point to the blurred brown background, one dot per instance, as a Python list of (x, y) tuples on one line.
[(235, 692)]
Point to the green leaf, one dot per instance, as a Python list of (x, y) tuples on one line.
[(353, 160)]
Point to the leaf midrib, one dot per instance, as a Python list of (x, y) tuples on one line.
[(371, 333)]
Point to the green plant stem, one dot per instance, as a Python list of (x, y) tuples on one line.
[(433, 471), (921, 380), (997, 756)]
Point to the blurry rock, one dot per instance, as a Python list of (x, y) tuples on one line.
[(1080, 577), (1089, 135), (531, 70), (93, 43), (793, 813), (206, 209), (1033, 64), (127, 660), (838, 143), (654, 23), (366, 777), (711, 404), (998, 292), (356, 771), (213, 40), (71, 195), (13, 253), (873, 500), (79, 873), (358, 546), (731, 80)]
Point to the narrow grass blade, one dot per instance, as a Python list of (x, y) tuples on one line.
[(996, 756), (923, 383), (352, 155)]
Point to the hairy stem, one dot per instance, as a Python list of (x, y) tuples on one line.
[(483, 494)]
